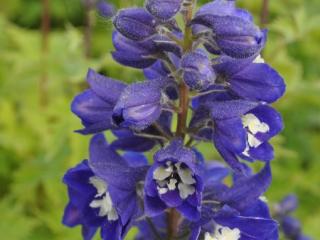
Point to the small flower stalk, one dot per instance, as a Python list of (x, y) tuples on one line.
[(207, 74)]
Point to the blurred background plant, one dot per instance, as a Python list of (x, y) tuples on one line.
[(46, 48)]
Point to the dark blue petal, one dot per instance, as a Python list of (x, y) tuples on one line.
[(150, 186), (133, 143), (230, 109), (77, 178), (176, 152), (231, 134), (263, 152), (251, 228), (258, 82), (111, 167), (72, 216), (272, 118), (135, 159), (106, 88), (248, 189), (156, 71), (96, 114), (112, 231), (88, 232), (258, 209), (188, 211), (134, 60), (125, 202), (153, 206), (172, 198), (229, 156), (215, 172)]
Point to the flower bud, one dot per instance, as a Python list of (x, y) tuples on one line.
[(139, 105), (233, 30), (163, 9), (198, 73), (135, 23)]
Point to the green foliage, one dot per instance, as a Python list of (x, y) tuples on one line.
[(37, 143)]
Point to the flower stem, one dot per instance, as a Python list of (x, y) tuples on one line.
[(174, 216), (264, 13)]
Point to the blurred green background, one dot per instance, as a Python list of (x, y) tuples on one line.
[(42, 67)]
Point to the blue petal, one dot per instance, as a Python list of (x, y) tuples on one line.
[(230, 109), (111, 167), (72, 216), (229, 156), (172, 198), (134, 144), (176, 152), (112, 231), (106, 88), (88, 232), (251, 228), (135, 159), (258, 82), (231, 134), (188, 211), (271, 117), (248, 189), (263, 152), (125, 202), (153, 206), (93, 111), (134, 60)]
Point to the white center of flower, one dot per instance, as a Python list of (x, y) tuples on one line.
[(223, 233), (104, 204), (254, 126), (174, 176), (259, 59)]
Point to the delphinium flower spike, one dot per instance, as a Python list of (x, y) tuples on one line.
[(207, 73)]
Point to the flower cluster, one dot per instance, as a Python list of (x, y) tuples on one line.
[(206, 72)]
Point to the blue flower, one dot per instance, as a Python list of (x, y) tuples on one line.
[(98, 199), (238, 128), (173, 182), (94, 106), (233, 31), (235, 212), (250, 78), (90, 203)]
